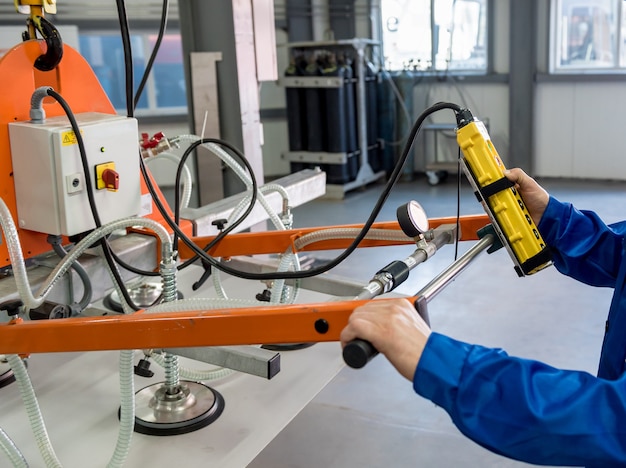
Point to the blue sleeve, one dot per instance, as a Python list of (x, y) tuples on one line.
[(583, 246), (525, 409)]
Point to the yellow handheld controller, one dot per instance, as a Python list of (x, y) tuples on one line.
[(504, 205)]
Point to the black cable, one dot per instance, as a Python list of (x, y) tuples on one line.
[(130, 102), (129, 87), (324, 268), (277, 275), (155, 50), (128, 57), (254, 189), (90, 195), (458, 203)]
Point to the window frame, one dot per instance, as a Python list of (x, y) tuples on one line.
[(555, 34), (150, 89), (432, 68)]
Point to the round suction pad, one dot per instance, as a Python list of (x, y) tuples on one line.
[(191, 407), (6, 373), (143, 295), (412, 219), (7, 377)]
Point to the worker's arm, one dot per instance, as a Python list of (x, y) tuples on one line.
[(583, 246), (525, 409), (519, 408)]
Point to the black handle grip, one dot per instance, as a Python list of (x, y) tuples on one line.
[(358, 352)]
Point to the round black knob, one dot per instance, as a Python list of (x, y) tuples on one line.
[(219, 223), (12, 307), (143, 368)]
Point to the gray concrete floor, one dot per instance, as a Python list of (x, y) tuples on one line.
[(371, 417)]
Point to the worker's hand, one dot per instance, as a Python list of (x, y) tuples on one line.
[(535, 197), (394, 328)]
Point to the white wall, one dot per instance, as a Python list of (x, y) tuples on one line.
[(579, 130)]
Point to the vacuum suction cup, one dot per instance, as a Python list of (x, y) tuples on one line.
[(143, 295), (190, 407), (6, 373)]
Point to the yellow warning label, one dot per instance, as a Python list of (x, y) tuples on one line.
[(68, 138)]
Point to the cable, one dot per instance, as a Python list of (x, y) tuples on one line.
[(458, 203), (277, 275), (393, 178), (90, 195), (130, 110), (157, 45), (128, 57), (253, 196)]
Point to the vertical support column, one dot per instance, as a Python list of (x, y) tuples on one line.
[(206, 122), (522, 68), (227, 27)]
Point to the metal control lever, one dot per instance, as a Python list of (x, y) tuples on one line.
[(359, 352)]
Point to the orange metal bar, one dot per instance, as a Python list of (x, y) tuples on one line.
[(251, 325), (252, 243), (242, 326)]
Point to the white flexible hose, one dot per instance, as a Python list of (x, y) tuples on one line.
[(245, 201), (127, 392), (279, 291), (193, 374), (241, 172), (12, 452), (348, 233), (267, 188), (32, 410), (127, 410), (15, 251), (31, 301), (202, 303), (216, 278), (187, 181), (17, 260)]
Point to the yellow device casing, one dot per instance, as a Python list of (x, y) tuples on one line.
[(504, 205)]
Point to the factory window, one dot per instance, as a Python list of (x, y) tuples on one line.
[(164, 92), (588, 36), (435, 35)]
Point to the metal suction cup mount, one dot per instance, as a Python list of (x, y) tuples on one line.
[(162, 410)]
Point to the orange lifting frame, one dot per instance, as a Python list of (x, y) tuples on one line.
[(313, 322)]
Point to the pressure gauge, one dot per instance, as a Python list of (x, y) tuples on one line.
[(412, 219)]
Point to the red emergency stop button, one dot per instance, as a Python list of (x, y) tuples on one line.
[(111, 180)]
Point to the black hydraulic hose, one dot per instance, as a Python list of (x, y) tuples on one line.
[(128, 56), (155, 50)]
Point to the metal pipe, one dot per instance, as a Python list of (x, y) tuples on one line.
[(440, 236), (440, 281)]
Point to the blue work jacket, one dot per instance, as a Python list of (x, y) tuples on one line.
[(525, 409)]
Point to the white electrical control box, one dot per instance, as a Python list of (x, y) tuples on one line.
[(50, 182)]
